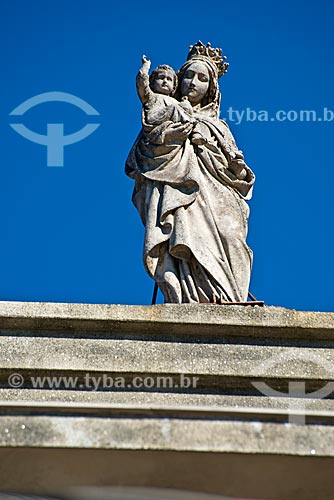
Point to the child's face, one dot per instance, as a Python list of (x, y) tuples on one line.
[(163, 82)]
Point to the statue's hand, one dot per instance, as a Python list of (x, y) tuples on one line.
[(239, 156), (237, 166), (177, 132), (146, 64)]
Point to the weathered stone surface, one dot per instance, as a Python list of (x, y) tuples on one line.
[(258, 322), (200, 432), (222, 423), (162, 400), (151, 357)]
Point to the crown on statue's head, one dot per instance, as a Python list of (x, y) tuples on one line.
[(208, 52)]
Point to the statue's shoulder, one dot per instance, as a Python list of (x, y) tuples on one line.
[(170, 100), (226, 129), (223, 122)]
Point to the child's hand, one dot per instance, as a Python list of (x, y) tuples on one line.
[(146, 64)]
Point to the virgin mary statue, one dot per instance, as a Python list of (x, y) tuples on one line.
[(191, 183)]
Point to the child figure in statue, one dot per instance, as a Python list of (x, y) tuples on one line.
[(159, 107), (160, 110)]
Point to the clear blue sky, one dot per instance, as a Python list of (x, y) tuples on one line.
[(70, 233)]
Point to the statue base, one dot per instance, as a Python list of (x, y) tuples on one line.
[(194, 397)]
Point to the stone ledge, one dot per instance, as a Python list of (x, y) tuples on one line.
[(156, 399), (168, 319), (45, 356), (134, 357), (166, 434), (182, 411), (223, 421)]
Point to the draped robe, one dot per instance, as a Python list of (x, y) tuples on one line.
[(194, 212)]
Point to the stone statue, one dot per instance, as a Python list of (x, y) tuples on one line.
[(191, 183)]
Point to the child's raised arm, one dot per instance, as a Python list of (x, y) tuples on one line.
[(142, 81), (146, 64)]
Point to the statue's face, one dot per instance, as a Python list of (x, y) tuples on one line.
[(163, 82), (195, 82)]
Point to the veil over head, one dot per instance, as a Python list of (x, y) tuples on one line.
[(212, 96)]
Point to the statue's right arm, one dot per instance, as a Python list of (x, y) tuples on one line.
[(144, 90), (177, 133), (143, 87)]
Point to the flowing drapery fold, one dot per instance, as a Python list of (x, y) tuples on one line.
[(194, 211)]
